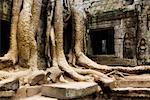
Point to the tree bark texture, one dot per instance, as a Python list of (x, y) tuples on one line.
[(37, 42)]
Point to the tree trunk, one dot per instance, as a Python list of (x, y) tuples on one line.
[(27, 28), (31, 53), (58, 28), (79, 17)]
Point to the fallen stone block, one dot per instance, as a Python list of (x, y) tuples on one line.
[(37, 78), (27, 91), (9, 84), (33, 90), (21, 92), (7, 94), (69, 90)]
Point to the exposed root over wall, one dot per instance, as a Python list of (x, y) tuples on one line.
[(23, 49)]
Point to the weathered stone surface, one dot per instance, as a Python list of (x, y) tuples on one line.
[(37, 78), (7, 93), (5, 9), (27, 91), (69, 90), (136, 81), (37, 97), (9, 84), (132, 92), (112, 60), (33, 90), (21, 92), (129, 83)]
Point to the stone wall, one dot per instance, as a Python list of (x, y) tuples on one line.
[(124, 24), (131, 23), (5, 9), (143, 37)]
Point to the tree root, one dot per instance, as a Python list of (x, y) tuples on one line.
[(54, 73), (97, 75), (28, 76), (62, 79), (68, 69), (132, 70), (17, 74), (88, 63), (10, 58)]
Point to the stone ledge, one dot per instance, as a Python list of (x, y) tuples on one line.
[(135, 81), (6, 94), (134, 84), (131, 92), (69, 90)]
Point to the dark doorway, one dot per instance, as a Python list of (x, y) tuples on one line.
[(4, 36), (102, 41)]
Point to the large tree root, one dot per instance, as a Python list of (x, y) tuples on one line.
[(54, 49), (63, 64), (88, 63), (10, 58), (132, 70), (85, 61), (97, 75)]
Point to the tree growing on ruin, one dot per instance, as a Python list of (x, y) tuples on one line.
[(36, 42)]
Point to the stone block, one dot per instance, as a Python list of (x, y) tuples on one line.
[(38, 97), (21, 92), (37, 78), (132, 83), (135, 81), (27, 91), (7, 94), (132, 92), (33, 90), (9, 84), (69, 90)]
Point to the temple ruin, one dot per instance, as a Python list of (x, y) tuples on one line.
[(116, 37), (119, 28)]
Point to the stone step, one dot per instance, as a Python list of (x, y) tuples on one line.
[(117, 93), (132, 83), (136, 81), (69, 90), (132, 92), (38, 97)]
